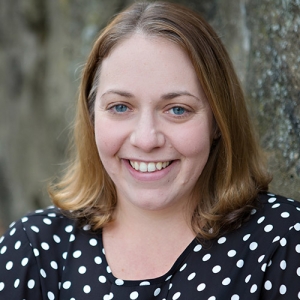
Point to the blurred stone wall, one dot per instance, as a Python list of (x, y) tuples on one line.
[(43, 47)]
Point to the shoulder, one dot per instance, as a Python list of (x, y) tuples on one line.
[(37, 231), (274, 208)]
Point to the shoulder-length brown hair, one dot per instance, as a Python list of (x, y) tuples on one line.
[(235, 172)]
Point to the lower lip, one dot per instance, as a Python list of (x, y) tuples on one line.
[(149, 176)]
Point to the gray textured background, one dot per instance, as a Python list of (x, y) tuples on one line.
[(44, 44)]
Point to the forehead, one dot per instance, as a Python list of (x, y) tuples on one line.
[(146, 60)]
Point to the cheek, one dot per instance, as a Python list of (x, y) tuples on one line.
[(194, 141), (108, 139)]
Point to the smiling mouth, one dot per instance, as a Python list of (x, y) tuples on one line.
[(149, 166)]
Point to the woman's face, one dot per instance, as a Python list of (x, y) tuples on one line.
[(153, 124)]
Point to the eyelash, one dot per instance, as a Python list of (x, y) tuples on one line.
[(113, 108), (185, 113)]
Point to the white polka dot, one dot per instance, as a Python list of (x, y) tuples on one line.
[(271, 200), (268, 285), (52, 215), (270, 262), (289, 199), (216, 269), (260, 220), (168, 278), (9, 265), (247, 279), (253, 246), (98, 260), (102, 279), (24, 261), (35, 229), (56, 239), (282, 289), (212, 298), (176, 296), (226, 281), (50, 296), (283, 264), (86, 227), (253, 211), (87, 289), (47, 221), (17, 245), (298, 271), (197, 248), (231, 253), (119, 282), (246, 237), (93, 242), (72, 237), (285, 215), (283, 242), (31, 284), (298, 248), (66, 285), (45, 246), (191, 276), (69, 228), (38, 211), (170, 286), (240, 263), (54, 265), (261, 258), (145, 283), (16, 283), (297, 227), (12, 232), (235, 297), (268, 228), (108, 297), (263, 267), (183, 267), (276, 205), (134, 295), (82, 269), (36, 252), (1, 286), (157, 292), (1, 239), (108, 269), (221, 240), (276, 239), (206, 257), (25, 219), (3, 250), (11, 224), (201, 287), (43, 273), (253, 288), (76, 253)]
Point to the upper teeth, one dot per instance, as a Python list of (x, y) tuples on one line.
[(148, 167)]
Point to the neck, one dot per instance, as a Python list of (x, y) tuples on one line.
[(138, 222)]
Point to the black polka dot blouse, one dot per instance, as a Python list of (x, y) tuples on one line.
[(45, 256)]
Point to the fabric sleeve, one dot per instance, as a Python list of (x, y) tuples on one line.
[(19, 274), (282, 275)]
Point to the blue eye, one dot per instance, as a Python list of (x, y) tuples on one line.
[(177, 110), (120, 108)]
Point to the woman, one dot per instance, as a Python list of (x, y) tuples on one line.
[(166, 197)]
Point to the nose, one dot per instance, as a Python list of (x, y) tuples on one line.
[(146, 134)]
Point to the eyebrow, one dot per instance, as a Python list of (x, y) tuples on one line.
[(168, 96)]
